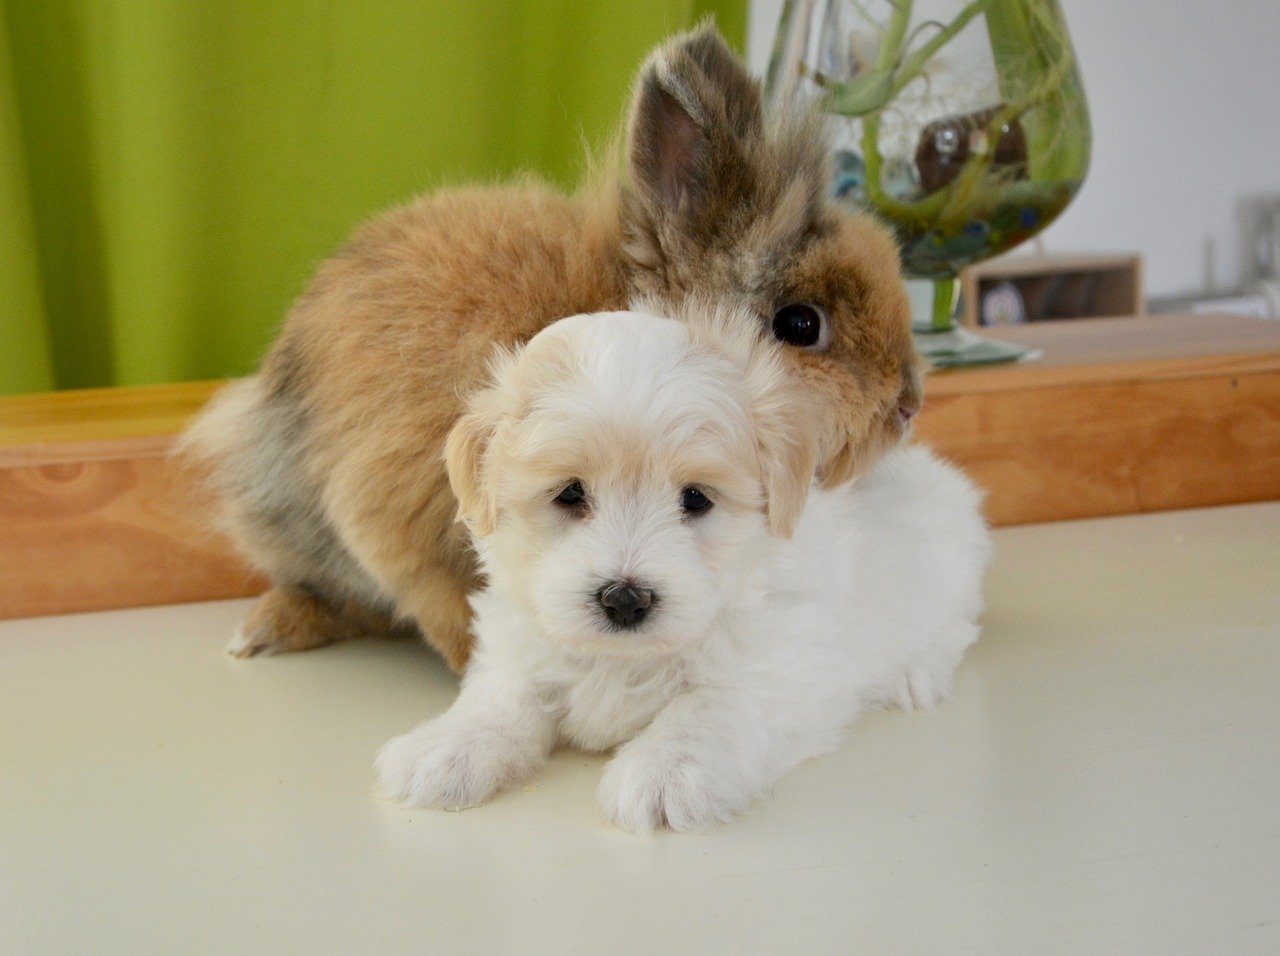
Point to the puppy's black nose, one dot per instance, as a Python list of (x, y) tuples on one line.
[(625, 604)]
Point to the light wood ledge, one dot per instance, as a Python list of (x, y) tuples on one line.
[(1118, 416)]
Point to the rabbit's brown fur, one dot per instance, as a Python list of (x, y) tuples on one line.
[(329, 462)]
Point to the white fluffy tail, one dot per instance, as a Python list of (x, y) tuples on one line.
[(222, 423)]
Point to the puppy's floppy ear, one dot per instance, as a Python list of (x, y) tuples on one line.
[(786, 443), (787, 440), (696, 114), (464, 455)]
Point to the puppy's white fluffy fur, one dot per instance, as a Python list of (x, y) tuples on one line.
[(774, 621)]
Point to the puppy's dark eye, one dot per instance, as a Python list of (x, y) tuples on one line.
[(802, 325), (694, 502), (572, 495)]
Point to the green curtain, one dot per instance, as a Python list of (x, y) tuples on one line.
[(171, 171)]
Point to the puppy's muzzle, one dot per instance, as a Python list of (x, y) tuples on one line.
[(625, 604)]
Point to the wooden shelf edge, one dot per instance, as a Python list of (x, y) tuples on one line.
[(95, 450), (1030, 377), (97, 414)]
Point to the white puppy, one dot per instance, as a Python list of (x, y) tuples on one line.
[(636, 488)]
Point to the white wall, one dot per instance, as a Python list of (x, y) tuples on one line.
[(1185, 102)]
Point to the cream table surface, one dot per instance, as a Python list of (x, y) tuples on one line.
[(1106, 779)]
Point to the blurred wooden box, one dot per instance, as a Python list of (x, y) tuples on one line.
[(1050, 287)]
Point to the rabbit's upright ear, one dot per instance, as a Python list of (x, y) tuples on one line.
[(696, 116)]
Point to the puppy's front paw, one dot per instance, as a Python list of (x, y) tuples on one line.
[(444, 764), (643, 789)]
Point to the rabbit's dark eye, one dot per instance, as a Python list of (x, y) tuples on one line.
[(572, 496), (693, 501), (802, 325)]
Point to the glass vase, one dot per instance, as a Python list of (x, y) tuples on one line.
[(962, 123)]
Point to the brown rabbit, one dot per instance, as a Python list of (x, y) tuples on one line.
[(328, 463)]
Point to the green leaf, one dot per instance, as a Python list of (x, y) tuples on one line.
[(860, 96)]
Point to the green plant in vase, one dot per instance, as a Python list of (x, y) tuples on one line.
[(961, 122)]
